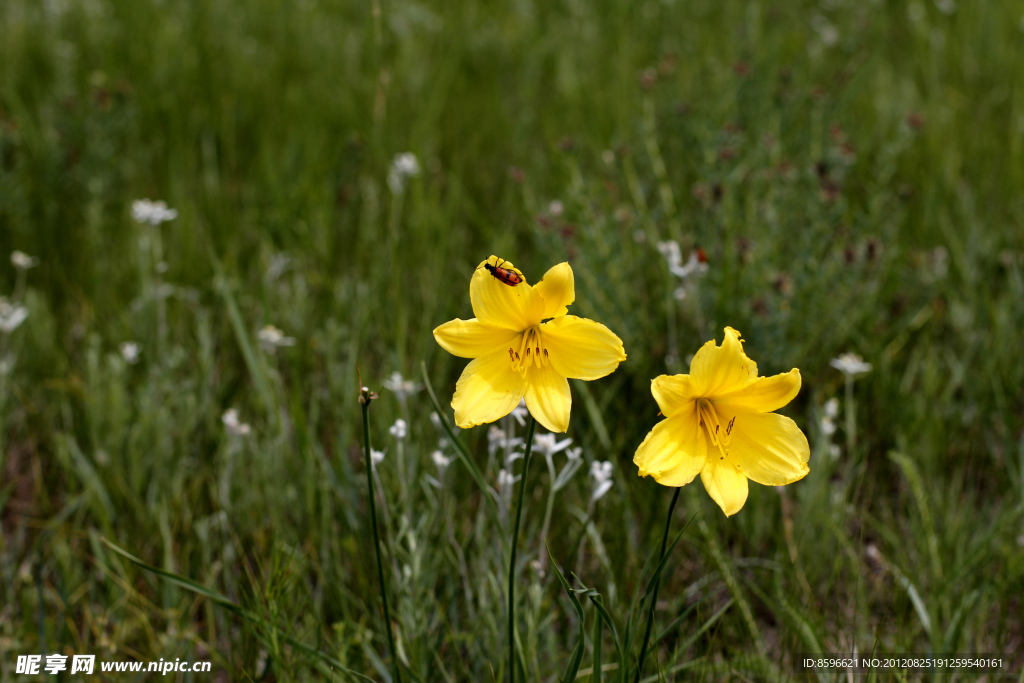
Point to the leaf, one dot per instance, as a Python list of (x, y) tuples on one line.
[(246, 614), (577, 654)]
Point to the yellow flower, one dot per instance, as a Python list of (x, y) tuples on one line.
[(524, 345), (719, 423)]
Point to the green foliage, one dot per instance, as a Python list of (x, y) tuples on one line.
[(852, 172)]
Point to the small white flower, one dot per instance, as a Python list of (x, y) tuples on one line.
[(834, 451), (693, 266), (153, 213), (832, 408), (234, 426), (402, 387), (670, 250), (520, 412), (679, 293), (376, 457), (828, 426), (556, 208), (441, 461), (130, 352), (601, 472), (402, 166), (548, 444), (506, 481), (399, 430), (23, 261), (11, 316), (850, 364), (272, 338), (574, 453)]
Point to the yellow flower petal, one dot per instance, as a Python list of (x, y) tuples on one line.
[(472, 338), (725, 484), (674, 451), (487, 390), (674, 393), (548, 398), (763, 394), (581, 348), (769, 448), (514, 307), (719, 369), (558, 290)]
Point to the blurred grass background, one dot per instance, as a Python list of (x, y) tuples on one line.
[(853, 172)]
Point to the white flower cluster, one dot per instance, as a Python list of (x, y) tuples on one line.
[(11, 316), (23, 261), (601, 473), (403, 166), (130, 353), (234, 426), (402, 388), (272, 338), (850, 364), (152, 213), (693, 268)]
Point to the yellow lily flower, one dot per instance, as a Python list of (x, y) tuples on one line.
[(719, 423), (523, 344)]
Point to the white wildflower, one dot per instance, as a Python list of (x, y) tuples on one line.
[(402, 166), (399, 430), (694, 266), (520, 412), (11, 316), (441, 461), (376, 457), (850, 364), (402, 387), (832, 408), (548, 444), (153, 213), (234, 426), (272, 338), (601, 472), (506, 481), (556, 208), (828, 425), (130, 352), (23, 261)]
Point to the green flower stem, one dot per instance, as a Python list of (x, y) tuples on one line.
[(376, 537), (654, 596), (512, 561)]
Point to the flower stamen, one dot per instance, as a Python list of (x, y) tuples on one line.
[(709, 421), (531, 352)]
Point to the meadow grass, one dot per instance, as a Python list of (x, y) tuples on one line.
[(853, 172)]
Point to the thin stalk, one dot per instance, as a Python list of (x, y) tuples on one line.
[(654, 596), (851, 417), (376, 536), (512, 561)]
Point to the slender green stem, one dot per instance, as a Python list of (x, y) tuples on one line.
[(512, 562), (851, 417), (654, 596), (376, 537)]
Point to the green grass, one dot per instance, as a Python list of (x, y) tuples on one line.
[(858, 196)]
